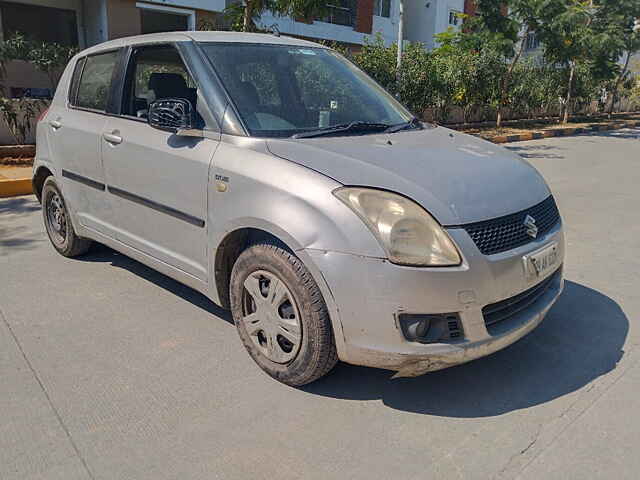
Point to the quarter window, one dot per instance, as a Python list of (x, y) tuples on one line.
[(93, 90), (75, 81)]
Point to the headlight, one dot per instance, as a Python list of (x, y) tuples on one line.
[(408, 234)]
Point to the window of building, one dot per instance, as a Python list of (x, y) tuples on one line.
[(341, 12), (45, 24), (455, 18), (382, 8), (155, 73), (95, 82), (532, 42), (154, 21)]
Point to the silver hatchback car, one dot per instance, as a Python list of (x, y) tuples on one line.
[(275, 177)]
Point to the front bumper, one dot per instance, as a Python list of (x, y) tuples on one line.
[(370, 294)]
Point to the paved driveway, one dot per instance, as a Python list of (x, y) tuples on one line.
[(109, 370)]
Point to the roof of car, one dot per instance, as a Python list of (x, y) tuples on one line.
[(201, 36)]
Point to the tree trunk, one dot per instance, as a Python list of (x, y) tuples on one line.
[(248, 16), (572, 71), (504, 84), (614, 94)]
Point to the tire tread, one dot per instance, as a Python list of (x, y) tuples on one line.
[(325, 355)]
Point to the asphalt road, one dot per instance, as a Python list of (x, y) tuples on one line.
[(109, 370)]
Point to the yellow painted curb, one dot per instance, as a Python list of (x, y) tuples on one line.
[(526, 136), (559, 132), (15, 187)]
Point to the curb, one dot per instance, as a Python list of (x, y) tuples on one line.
[(15, 187), (17, 151), (560, 132)]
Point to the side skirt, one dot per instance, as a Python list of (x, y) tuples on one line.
[(162, 267)]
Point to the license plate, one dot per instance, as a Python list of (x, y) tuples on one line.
[(542, 262)]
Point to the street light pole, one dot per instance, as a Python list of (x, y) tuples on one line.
[(400, 37)]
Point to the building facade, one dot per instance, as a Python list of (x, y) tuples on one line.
[(424, 19), (87, 22), (349, 22), (83, 23)]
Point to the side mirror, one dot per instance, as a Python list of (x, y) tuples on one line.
[(171, 114)]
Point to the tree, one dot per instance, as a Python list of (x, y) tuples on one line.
[(621, 20), (578, 32), (50, 58), (509, 23), (245, 17), (470, 66)]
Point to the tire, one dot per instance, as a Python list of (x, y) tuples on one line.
[(287, 331), (58, 222)]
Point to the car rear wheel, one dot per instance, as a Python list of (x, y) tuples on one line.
[(58, 223), (281, 316)]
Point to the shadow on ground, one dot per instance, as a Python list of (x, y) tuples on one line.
[(625, 133), (101, 253), (12, 234), (19, 205), (581, 339), (537, 151)]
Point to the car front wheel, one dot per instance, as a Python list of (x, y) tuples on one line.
[(281, 316)]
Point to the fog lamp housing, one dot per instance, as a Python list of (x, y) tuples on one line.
[(430, 328)]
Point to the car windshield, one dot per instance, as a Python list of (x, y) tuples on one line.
[(282, 90)]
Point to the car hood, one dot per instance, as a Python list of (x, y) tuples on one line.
[(458, 178)]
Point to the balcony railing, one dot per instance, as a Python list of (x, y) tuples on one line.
[(341, 12)]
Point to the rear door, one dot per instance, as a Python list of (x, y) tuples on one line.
[(157, 181), (75, 131)]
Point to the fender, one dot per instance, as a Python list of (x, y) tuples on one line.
[(295, 205)]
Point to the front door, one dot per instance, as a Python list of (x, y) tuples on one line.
[(157, 181)]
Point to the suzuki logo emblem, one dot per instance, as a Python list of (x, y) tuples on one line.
[(532, 228)]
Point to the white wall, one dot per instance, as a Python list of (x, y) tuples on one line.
[(426, 18), (387, 27)]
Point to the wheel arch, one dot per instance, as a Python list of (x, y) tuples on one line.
[(234, 241), (39, 177)]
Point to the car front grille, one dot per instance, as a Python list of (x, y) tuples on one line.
[(505, 233), (505, 309)]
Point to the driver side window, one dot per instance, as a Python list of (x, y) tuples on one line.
[(156, 73)]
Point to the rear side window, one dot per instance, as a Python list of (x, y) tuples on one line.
[(95, 82)]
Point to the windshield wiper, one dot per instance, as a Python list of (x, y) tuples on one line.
[(413, 123), (345, 127)]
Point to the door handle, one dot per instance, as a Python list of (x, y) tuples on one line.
[(112, 138), (55, 124)]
